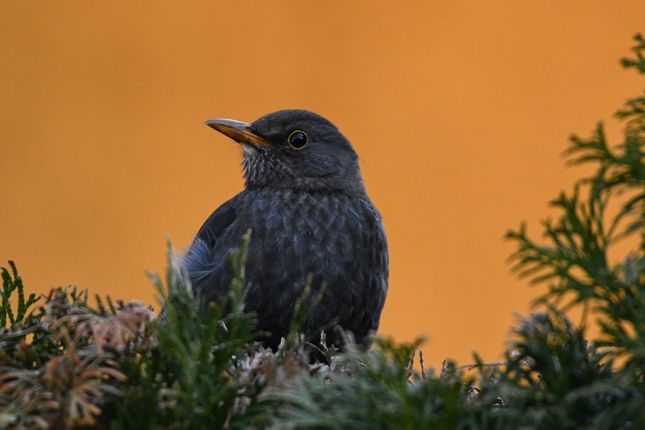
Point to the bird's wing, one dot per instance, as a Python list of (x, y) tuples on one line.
[(218, 222), (200, 261)]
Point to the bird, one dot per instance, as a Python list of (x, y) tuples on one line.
[(312, 225)]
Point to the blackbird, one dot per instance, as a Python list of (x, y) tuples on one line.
[(311, 223)]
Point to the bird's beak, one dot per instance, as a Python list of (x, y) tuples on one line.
[(238, 131)]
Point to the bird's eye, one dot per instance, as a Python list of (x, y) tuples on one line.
[(298, 139)]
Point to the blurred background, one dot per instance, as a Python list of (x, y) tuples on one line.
[(458, 110)]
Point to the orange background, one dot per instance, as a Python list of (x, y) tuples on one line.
[(459, 111)]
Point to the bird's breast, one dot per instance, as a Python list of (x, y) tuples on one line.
[(296, 233)]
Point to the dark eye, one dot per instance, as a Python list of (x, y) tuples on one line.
[(298, 139)]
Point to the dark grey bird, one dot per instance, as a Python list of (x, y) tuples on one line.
[(310, 220)]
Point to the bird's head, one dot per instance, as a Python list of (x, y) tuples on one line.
[(294, 149)]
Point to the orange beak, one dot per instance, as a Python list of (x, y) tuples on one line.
[(238, 131)]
